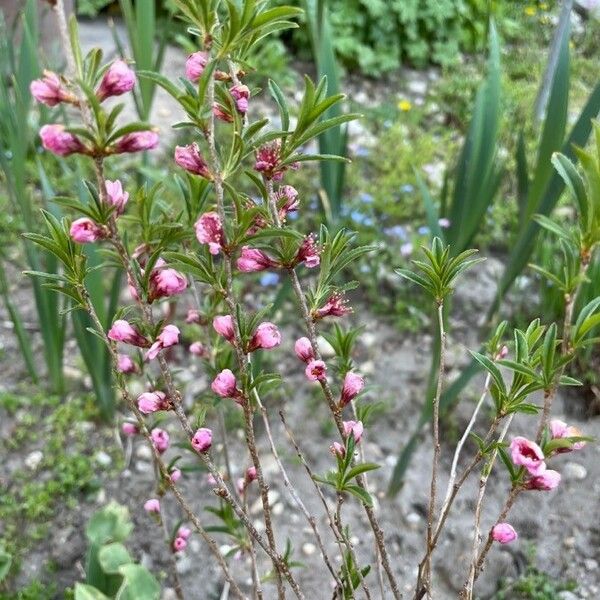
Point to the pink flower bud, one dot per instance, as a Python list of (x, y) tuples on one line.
[(190, 159), (175, 475), (122, 331), (241, 95), (193, 316), (354, 428), (337, 449), (503, 352), (184, 532), (169, 336), (179, 544), (117, 80), (50, 90), (353, 385), (210, 479), (198, 349), (195, 65), (160, 439), (316, 370), (209, 230), (309, 252), (548, 480), (336, 306), (152, 506), (251, 474), (202, 440), (221, 114), (165, 283), (150, 402), (225, 384), (304, 350), (125, 364), (86, 231), (504, 533), (287, 200), (223, 325), (240, 485), (253, 260), (558, 429), (528, 454), (115, 196), (137, 141), (61, 142), (129, 429), (266, 336)]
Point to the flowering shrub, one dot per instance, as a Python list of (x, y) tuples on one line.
[(227, 234)]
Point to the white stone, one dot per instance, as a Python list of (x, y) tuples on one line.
[(33, 460), (325, 348), (309, 548), (143, 452), (574, 471), (590, 564), (103, 459)]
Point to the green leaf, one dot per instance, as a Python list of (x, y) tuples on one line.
[(359, 493), (113, 556), (359, 469), (88, 592), (138, 584)]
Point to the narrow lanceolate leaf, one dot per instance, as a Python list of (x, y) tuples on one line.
[(567, 170)]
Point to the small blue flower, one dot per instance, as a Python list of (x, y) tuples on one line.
[(366, 197), (365, 268), (269, 279), (361, 151), (407, 189), (423, 230), (396, 231)]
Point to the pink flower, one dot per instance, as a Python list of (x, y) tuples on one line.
[(175, 475), (309, 252), (116, 197), (241, 95), (86, 231), (202, 440), (179, 544), (559, 429), (503, 353), (61, 142), (240, 485), (193, 316), (225, 384), (266, 336), (336, 306), (253, 260), (122, 331), (160, 439), (268, 159), (137, 141), (165, 283), (287, 200), (316, 370), (169, 336), (337, 449), (150, 402), (125, 364), (528, 454), (184, 532), (251, 474), (50, 90), (223, 325), (221, 114), (354, 428), (210, 479), (304, 350), (129, 429), (209, 230), (353, 385), (198, 349), (152, 506), (548, 480), (190, 159), (444, 223), (117, 80), (504, 533), (195, 65)]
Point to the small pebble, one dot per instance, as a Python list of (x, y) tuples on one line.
[(103, 459), (590, 564), (33, 460), (574, 471), (309, 548)]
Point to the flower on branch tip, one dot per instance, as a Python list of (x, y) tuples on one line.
[(223, 325), (179, 544), (152, 506), (193, 316), (169, 336), (316, 370), (504, 533), (151, 402), (221, 113), (268, 161), (160, 439), (118, 79), (115, 196), (129, 429), (252, 260), (199, 349), (287, 200), (125, 364), (202, 440), (241, 95), (137, 141), (547, 481), (266, 336), (559, 430), (175, 475), (209, 230), (303, 349), (243, 482), (528, 454), (353, 385), (336, 306), (195, 65), (165, 282), (50, 90), (60, 142), (354, 428), (190, 159), (225, 385), (122, 331), (86, 231), (337, 449), (309, 252)]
